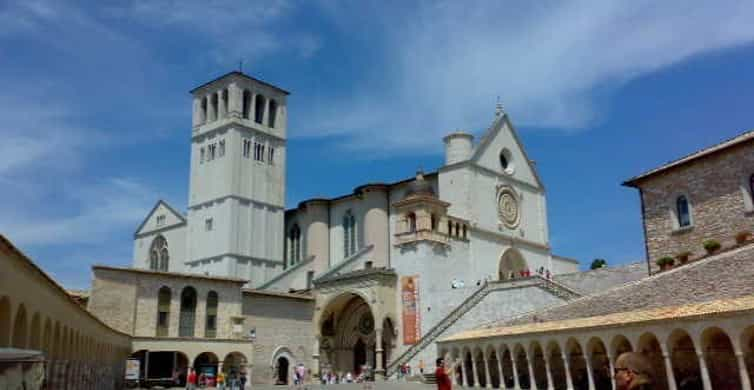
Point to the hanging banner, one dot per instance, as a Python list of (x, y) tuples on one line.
[(411, 313)]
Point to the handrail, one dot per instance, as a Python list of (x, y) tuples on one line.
[(469, 303)]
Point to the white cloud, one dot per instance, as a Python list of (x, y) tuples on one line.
[(443, 64), (103, 207)]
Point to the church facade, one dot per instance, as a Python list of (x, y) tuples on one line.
[(384, 269)]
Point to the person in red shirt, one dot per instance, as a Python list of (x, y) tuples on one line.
[(191, 380), (442, 377)]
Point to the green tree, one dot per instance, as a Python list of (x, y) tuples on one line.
[(598, 263)]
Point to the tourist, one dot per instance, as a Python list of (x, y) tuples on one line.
[(243, 380), (191, 380), (220, 380), (633, 371), (441, 376), (349, 377), (421, 366)]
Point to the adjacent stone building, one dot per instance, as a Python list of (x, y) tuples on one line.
[(706, 195)]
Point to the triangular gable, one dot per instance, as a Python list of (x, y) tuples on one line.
[(177, 219), (487, 156)]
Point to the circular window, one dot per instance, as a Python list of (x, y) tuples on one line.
[(366, 324), (505, 161), (508, 208)]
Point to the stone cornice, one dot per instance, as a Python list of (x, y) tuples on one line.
[(237, 197), (510, 238), (230, 122)]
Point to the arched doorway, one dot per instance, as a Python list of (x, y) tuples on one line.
[(684, 360), (4, 322), (348, 336), (721, 359), (649, 346), (282, 371), (359, 356), (511, 265), (206, 363)]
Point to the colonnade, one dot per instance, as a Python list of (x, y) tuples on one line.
[(26, 327), (713, 354)]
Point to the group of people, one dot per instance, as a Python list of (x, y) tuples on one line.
[(633, 371), (233, 381), (332, 378), (523, 273)]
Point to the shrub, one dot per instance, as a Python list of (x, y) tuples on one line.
[(742, 236), (665, 261), (711, 246), (598, 263)]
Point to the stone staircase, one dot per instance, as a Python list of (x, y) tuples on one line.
[(469, 303)]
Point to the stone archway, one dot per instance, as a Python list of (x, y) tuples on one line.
[(348, 336), (511, 264)]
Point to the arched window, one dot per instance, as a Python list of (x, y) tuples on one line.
[(433, 220), (259, 109), (294, 238), (204, 110), (163, 311), (224, 99), (213, 112), (411, 219), (682, 210), (273, 113), (210, 328), (751, 187), (188, 312), (246, 110), (349, 234), (159, 257)]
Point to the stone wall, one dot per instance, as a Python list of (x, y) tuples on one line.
[(499, 305), (594, 281), (126, 299), (720, 201), (283, 328), (726, 275)]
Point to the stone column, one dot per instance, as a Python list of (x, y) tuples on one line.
[(745, 383), (211, 109), (253, 105), (487, 376), (266, 112), (705, 373), (379, 371), (474, 371), (532, 381), (196, 118), (550, 385), (500, 370), (235, 101), (315, 357), (223, 106), (589, 373), (669, 371), (567, 367), (516, 385)]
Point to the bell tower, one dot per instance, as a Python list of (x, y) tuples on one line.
[(237, 180)]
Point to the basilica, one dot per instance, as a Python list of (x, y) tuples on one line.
[(375, 276)]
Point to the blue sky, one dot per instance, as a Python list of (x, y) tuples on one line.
[(96, 110)]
